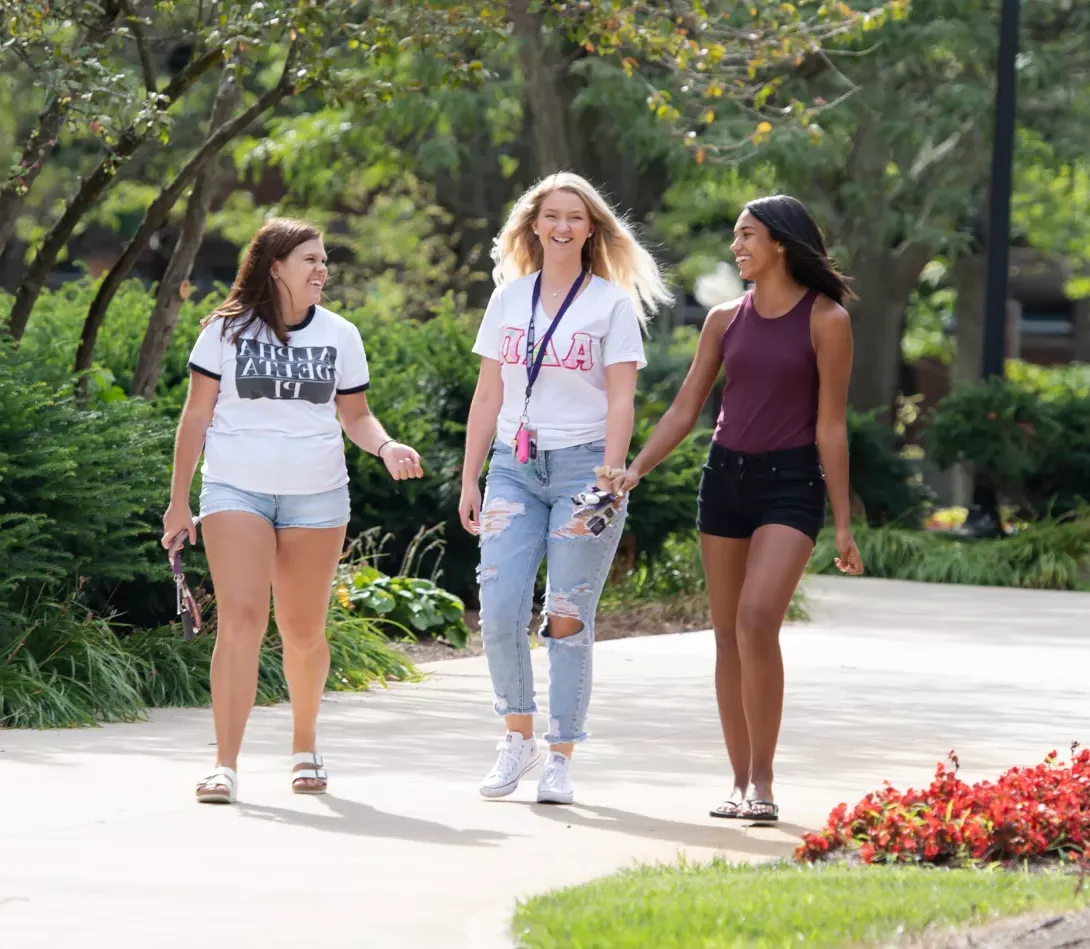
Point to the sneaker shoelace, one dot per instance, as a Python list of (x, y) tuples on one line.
[(508, 760)]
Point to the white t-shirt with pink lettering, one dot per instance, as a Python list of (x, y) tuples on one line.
[(568, 405)]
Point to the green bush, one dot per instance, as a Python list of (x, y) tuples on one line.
[(1049, 555), (993, 426), (68, 667), (1027, 437), (674, 577), (81, 492), (888, 484)]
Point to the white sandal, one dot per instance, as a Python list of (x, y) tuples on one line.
[(211, 789), (316, 772)]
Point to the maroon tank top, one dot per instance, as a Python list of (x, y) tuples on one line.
[(771, 396)]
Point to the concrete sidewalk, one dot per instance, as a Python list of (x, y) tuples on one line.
[(101, 842)]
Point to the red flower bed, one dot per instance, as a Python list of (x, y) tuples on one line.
[(1039, 812)]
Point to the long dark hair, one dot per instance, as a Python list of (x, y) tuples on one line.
[(253, 298), (790, 224)]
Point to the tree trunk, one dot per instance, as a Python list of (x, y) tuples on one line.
[(44, 137), (90, 191), (168, 299), (968, 279), (160, 208), (541, 69), (884, 282)]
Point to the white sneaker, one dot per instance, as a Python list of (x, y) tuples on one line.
[(555, 784), (518, 756)]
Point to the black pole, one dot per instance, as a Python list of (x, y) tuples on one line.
[(999, 215), (984, 519)]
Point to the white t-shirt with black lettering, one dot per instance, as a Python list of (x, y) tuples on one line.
[(275, 427), (568, 406)]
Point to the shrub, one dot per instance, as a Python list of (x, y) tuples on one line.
[(65, 667), (68, 667), (1052, 554), (992, 426), (1027, 813), (422, 381), (1029, 438), (81, 490), (665, 501), (886, 482), (675, 578)]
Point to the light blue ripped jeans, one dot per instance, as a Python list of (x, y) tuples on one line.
[(527, 515)]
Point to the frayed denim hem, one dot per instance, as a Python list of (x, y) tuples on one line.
[(501, 708)]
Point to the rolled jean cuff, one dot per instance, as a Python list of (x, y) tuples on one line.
[(557, 737), (502, 708)]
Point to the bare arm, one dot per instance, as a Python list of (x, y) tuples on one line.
[(620, 413), (481, 425), (366, 431), (480, 430), (831, 330), (678, 420), (200, 404)]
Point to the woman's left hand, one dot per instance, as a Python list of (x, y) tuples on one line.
[(402, 461), (849, 561)]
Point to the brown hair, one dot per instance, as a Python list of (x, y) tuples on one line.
[(253, 297)]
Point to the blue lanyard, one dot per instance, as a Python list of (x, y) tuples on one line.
[(534, 360)]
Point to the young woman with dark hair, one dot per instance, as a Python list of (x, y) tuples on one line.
[(786, 347), (275, 379)]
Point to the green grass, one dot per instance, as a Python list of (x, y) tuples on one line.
[(716, 906)]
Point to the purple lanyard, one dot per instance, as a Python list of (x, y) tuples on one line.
[(534, 360)]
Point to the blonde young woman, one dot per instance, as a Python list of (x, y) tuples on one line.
[(275, 379), (560, 347)]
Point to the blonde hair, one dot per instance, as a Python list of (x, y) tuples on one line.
[(612, 251)]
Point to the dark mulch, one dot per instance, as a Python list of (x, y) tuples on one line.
[(1037, 931), (651, 619)]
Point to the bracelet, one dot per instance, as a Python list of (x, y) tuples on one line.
[(378, 452), (604, 471)]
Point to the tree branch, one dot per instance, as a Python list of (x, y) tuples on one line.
[(42, 140), (137, 28), (160, 208), (90, 190), (169, 296)]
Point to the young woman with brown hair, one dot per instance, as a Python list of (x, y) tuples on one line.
[(275, 380)]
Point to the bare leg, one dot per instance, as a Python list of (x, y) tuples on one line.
[(777, 558), (306, 561), (241, 548), (725, 570)]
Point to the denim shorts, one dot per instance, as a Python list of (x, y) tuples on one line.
[(325, 509), (741, 492)]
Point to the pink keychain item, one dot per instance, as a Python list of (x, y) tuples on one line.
[(525, 444)]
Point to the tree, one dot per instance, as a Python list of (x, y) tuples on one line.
[(898, 171), (149, 121), (32, 41), (169, 297), (160, 208)]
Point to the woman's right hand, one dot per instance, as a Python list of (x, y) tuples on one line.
[(178, 520), (469, 508), (626, 481)]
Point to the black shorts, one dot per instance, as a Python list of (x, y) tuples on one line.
[(740, 492)]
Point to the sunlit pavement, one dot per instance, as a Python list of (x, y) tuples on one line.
[(101, 842)]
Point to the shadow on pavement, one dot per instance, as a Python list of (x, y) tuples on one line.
[(631, 824), (362, 820)]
